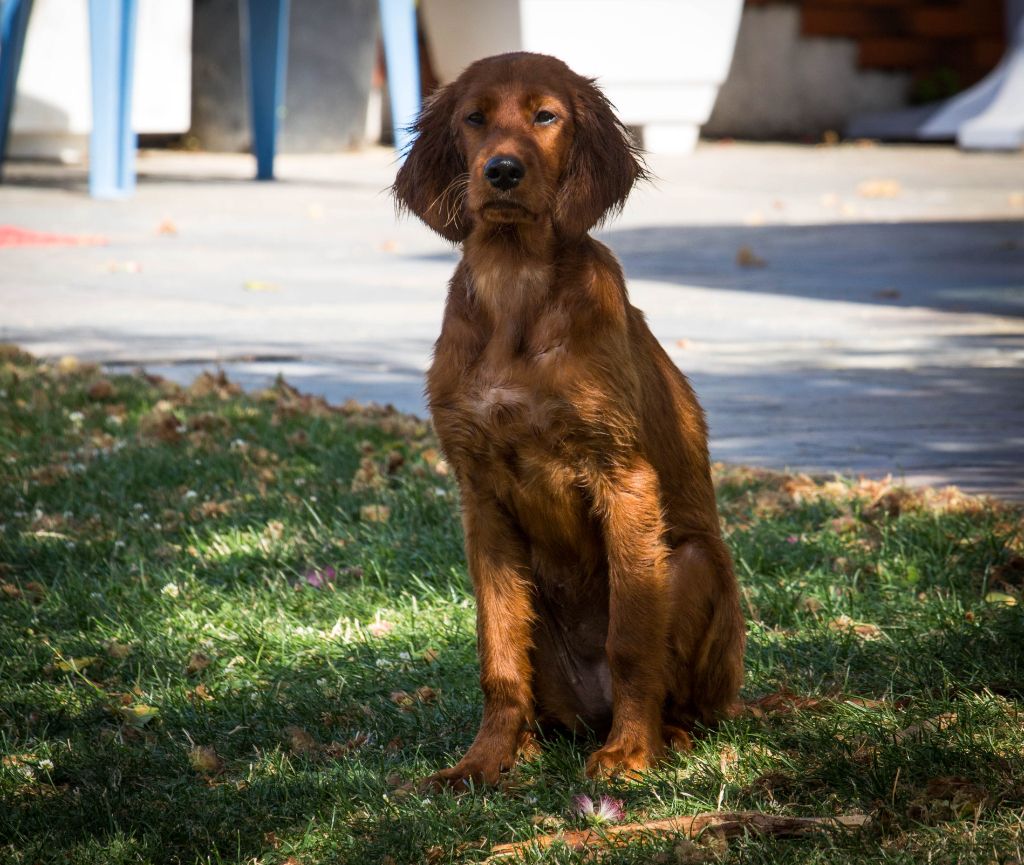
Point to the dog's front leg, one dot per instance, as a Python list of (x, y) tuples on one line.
[(499, 566), (628, 503)]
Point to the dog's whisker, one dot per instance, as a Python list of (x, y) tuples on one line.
[(459, 178)]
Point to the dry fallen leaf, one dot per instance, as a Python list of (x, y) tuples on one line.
[(68, 365), (161, 424), (100, 390), (401, 699), (337, 750), (203, 758), (864, 630), (1000, 598), (138, 715), (197, 662), (368, 477), (199, 694), (949, 797), (375, 513), (879, 188), (746, 257), (887, 294), (728, 759), (921, 729), (74, 665), (256, 285), (842, 525), (300, 741), (117, 650), (811, 605), (124, 267)]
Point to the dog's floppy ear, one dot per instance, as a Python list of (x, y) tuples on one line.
[(602, 165), (431, 183)]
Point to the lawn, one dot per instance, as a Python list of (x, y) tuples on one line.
[(233, 626)]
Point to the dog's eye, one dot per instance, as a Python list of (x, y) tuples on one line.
[(544, 118), (475, 119)]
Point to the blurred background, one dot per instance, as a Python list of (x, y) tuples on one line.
[(832, 248), (759, 69)]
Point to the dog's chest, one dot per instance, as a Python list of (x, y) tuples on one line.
[(503, 404), (511, 396)]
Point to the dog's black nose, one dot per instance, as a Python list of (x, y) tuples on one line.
[(504, 172)]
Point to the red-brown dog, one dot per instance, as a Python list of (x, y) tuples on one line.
[(605, 595)]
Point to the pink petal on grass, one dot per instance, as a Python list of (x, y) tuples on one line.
[(582, 806), (606, 810), (610, 810), (320, 578)]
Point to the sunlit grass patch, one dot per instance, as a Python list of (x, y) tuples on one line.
[(233, 626)]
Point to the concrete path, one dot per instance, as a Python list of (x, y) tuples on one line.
[(880, 328)]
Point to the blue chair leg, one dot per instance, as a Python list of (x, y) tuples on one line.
[(265, 41), (398, 25), (13, 25), (112, 143)]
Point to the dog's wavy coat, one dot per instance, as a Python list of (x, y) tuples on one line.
[(605, 595)]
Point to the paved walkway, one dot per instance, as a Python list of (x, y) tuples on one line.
[(881, 328)]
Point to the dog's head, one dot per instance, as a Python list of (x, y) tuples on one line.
[(517, 138)]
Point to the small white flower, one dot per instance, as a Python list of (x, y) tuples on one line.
[(76, 417), (171, 590), (118, 544), (191, 494), (45, 764)]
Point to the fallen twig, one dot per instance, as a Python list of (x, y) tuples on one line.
[(728, 823)]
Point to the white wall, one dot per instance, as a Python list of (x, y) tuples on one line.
[(53, 107), (782, 85)]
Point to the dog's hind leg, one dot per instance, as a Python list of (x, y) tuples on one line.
[(707, 634)]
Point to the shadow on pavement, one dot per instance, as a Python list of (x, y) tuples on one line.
[(959, 266)]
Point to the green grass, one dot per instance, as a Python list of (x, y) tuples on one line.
[(175, 688)]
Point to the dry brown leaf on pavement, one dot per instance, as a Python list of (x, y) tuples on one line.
[(879, 188), (746, 257)]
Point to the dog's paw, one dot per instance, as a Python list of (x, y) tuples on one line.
[(677, 739), (471, 771), (622, 759)]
